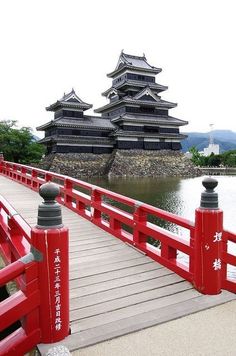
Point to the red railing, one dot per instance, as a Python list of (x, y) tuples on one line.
[(24, 303), (129, 220), (228, 261)]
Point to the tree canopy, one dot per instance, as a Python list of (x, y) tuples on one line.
[(226, 159), (19, 145)]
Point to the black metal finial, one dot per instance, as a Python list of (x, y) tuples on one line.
[(209, 198), (49, 211)]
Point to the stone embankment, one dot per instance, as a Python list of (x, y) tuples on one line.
[(76, 164), (152, 163), (121, 163)]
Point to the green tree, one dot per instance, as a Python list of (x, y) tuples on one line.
[(197, 159), (214, 160), (18, 145), (228, 158)]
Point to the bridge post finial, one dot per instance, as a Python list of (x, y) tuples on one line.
[(208, 268), (51, 239), (49, 211), (209, 198)]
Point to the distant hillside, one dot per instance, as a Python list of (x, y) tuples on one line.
[(225, 138)]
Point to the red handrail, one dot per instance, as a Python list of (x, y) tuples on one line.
[(24, 304), (228, 259), (93, 203)]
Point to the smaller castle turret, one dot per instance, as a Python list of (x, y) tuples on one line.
[(73, 132)]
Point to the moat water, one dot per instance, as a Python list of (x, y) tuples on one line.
[(177, 195)]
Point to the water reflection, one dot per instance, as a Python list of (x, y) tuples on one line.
[(177, 195), (150, 190), (159, 192)]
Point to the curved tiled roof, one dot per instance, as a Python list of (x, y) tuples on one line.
[(127, 61), (136, 83), (78, 139), (90, 122), (150, 119), (129, 100), (70, 100), (148, 134)]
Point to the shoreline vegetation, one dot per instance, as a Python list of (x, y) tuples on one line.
[(225, 160)]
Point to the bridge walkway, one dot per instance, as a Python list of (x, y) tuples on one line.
[(114, 289)]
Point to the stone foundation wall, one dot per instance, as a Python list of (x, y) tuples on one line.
[(121, 163), (77, 164), (152, 163)]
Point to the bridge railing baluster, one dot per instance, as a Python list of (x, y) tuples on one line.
[(95, 211), (68, 186), (139, 216)]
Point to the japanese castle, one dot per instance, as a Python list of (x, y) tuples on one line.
[(135, 118)]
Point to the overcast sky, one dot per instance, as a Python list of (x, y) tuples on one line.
[(48, 47)]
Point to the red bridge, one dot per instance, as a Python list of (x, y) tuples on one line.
[(112, 281)]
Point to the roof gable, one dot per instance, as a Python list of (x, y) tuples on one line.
[(70, 100), (71, 97), (133, 61), (138, 63), (147, 94), (113, 92)]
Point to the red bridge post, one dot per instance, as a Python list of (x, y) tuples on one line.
[(208, 241), (1, 160), (50, 238)]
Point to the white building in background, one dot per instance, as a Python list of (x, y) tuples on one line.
[(212, 148)]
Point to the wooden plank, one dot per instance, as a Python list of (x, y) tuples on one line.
[(121, 292), (76, 228), (96, 251), (76, 237), (130, 311), (79, 263), (112, 275), (134, 299), (97, 242), (91, 271), (119, 282), (103, 262)]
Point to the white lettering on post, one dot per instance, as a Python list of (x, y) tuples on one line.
[(218, 237), (217, 264), (57, 288)]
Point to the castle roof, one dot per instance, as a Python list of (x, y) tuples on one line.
[(127, 61), (150, 119), (70, 100), (158, 102), (148, 134), (88, 122), (75, 139), (137, 85)]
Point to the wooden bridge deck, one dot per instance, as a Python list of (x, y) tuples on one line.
[(114, 289)]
